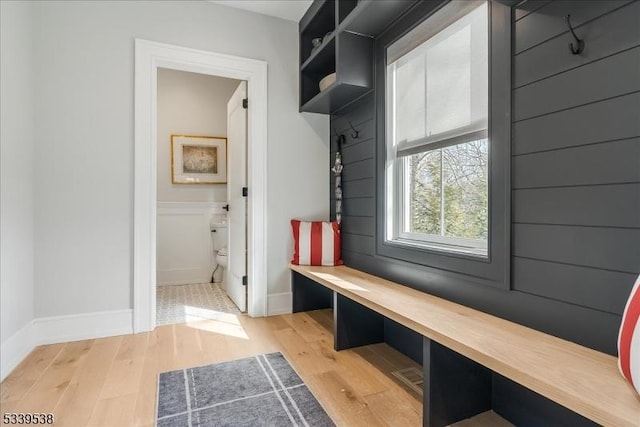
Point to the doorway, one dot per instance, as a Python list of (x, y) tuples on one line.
[(201, 164), (149, 56)]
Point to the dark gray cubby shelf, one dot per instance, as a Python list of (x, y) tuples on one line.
[(347, 51), (371, 17)]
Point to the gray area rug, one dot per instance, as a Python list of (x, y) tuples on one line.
[(256, 391)]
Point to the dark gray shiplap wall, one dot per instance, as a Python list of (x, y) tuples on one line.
[(575, 172)]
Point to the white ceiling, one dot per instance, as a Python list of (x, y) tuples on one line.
[(291, 10)]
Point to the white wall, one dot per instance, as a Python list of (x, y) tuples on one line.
[(190, 104), (16, 178), (84, 157)]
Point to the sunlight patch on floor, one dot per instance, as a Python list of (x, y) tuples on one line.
[(190, 303), (215, 321)]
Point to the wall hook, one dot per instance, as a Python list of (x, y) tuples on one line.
[(355, 134), (340, 140), (579, 43)]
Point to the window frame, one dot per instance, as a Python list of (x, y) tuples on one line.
[(494, 269), (435, 242)]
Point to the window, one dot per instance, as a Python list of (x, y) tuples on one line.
[(437, 127), (443, 134)]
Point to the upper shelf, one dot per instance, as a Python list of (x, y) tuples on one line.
[(331, 99), (371, 17), (348, 29), (319, 13), (321, 55), (316, 24)]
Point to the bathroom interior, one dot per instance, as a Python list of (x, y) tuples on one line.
[(192, 231)]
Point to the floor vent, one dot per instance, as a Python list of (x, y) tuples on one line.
[(411, 377)]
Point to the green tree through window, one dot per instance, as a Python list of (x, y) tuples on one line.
[(449, 191)]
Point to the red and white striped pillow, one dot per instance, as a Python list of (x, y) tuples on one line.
[(316, 243), (629, 339)]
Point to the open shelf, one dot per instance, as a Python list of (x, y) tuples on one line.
[(332, 98), (321, 55), (315, 69), (316, 24), (350, 56), (348, 29), (371, 17), (345, 7)]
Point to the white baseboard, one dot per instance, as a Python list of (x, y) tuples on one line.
[(279, 303), (183, 276), (15, 348), (49, 330), (83, 326)]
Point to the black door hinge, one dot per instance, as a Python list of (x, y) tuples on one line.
[(244, 280), (245, 191), (245, 103)]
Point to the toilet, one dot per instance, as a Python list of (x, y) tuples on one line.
[(219, 239), (222, 259)]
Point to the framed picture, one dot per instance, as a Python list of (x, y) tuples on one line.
[(198, 159)]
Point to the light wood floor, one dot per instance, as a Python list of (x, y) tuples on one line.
[(112, 381)]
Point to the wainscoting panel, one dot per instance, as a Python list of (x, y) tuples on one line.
[(184, 246)]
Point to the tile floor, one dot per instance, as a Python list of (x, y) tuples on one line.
[(185, 303)]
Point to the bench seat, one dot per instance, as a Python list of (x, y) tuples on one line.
[(584, 380)]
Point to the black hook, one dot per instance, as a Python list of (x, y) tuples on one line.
[(355, 134), (580, 43), (340, 140)]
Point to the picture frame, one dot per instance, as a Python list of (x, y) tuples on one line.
[(198, 159)]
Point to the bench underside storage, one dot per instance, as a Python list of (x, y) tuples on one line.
[(457, 387)]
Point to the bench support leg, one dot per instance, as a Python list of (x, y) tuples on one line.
[(355, 325), (309, 295), (455, 387)]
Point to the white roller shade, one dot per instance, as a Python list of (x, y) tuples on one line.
[(440, 85)]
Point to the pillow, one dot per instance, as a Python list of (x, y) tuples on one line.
[(629, 339), (316, 243)]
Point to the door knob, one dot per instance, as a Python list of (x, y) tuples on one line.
[(226, 208)]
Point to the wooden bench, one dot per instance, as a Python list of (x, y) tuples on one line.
[(581, 379)]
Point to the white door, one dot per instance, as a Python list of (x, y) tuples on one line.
[(236, 181)]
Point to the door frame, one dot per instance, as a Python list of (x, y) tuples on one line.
[(149, 56)]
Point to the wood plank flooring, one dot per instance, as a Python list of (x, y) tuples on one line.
[(112, 381)]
